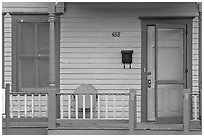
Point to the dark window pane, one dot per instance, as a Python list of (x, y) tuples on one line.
[(43, 72), (27, 38), (28, 73), (43, 38)]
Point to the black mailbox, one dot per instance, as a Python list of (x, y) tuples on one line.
[(127, 57)]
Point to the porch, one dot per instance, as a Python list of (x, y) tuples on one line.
[(31, 110)]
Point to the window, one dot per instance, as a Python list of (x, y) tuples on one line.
[(33, 54)]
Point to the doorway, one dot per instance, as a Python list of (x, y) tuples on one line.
[(165, 72)]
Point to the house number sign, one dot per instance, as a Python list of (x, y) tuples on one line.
[(116, 34)]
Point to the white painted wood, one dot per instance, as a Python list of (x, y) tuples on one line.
[(195, 107), (84, 112), (25, 7), (90, 55), (123, 107), (98, 50), (106, 106), (100, 76), (99, 110), (114, 106), (25, 105), (18, 105), (106, 71), (62, 106), (76, 109), (39, 105), (91, 106), (69, 106), (11, 106), (7, 48), (106, 87), (100, 82), (32, 101), (96, 60), (46, 105)]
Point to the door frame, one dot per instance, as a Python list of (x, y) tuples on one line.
[(154, 21)]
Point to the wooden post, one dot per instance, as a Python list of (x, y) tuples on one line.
[(186, 110), (7, 106), (52, 50), (52, 108), (132, 111), (200, 62)]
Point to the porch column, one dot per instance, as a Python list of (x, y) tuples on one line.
[(52, 50)]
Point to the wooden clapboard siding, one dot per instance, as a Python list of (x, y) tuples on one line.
[(7, 50), (37, 7), (195, 55), (195, 59), (90, 55)]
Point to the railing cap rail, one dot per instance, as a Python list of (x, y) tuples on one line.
[(92, 93)]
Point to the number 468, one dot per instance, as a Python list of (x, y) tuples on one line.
[(116, 34)]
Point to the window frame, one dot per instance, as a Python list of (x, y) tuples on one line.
[(38, 18)]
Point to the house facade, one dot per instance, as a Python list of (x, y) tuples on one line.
[(66, 45)]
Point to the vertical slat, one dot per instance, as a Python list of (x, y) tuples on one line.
[(114, 109), (18, 105), (61, 100), (123, 107), (106, 106), (25, 105), (195, 106), (83, 106), (91, 105), (98, 106), (76, 106), (46, 105), (69, 109), (11, 105), (39, 101), (32, 101)]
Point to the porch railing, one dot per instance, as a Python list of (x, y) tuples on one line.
[(102, 109), (63, 108), (104, 106)]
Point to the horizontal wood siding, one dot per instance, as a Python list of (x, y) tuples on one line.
[(37, 7), (89, 54), (195, 61), (7, 50)]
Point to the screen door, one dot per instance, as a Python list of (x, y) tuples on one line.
[(166, 73)]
